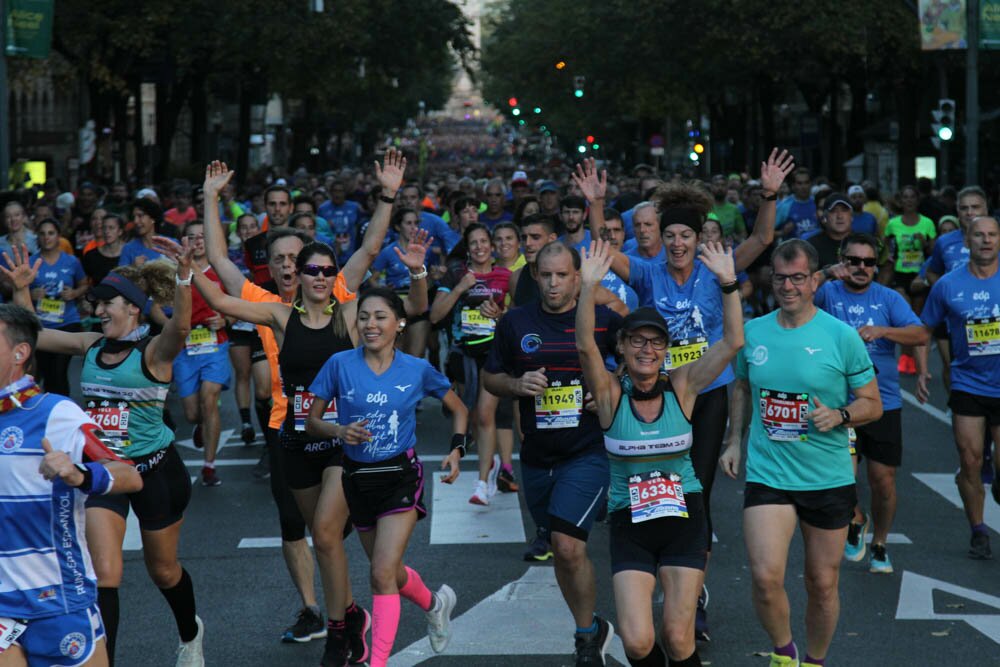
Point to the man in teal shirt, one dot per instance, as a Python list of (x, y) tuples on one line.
[(795, 376)]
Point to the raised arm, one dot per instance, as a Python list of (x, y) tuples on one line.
[(265, 312), (772, 175), (593, 266), (167, 344), (415, 301), (217, 176), (20, 276), (594, 187), (691, 379), (389, 177)]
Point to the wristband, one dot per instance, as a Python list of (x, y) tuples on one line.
[(771, 197), (421, 275), (182, 283), (459, 442), (387, 199), (846, 416), (96, 479), (729, 288)]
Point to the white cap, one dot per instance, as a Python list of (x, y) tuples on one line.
[(65, 201), (148, 193), (855, 190), (519, 177)]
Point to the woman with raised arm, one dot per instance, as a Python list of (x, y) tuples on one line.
[(125, 378), (377, 389), (658, 524)]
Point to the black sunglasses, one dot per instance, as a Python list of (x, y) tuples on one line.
[(315, 269), (858, 261)]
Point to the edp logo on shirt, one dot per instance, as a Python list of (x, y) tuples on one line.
[(378, 398)]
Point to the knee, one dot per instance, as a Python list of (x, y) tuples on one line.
[(569, 553), (679, 638), (485, 418), (164, 573), (108, 570), (883, 485), (638, 643), (971, 460), (383, 576), (327, 539), (192, 412), (767, 582), (822, 586)]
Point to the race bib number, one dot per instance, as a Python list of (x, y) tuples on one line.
[(112, 418), (653, 495), (559, 407), (240, 325), (51, 310), (911, 260), (683, 351), (302, 403), (784, 415), (983, 336), (201, 341), (10, 630), (475, 323)]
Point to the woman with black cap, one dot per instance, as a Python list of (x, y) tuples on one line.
[(658, 519), (125, 378)]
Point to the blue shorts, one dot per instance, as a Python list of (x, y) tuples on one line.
[(567, 497), (190, 370), (64, 640)]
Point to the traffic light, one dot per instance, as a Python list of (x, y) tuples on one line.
[(512, 101), (590, 138), (944, 120), (578, 82), (516, 111), (538, 109), (698, 148), (693, 156), (561, 64)]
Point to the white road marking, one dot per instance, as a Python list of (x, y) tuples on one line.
[(224, 437), (263, 542), (944, 483), (891, 538), (938, 414), (525, 617), (916, 603), (133, 536), (456, 521)]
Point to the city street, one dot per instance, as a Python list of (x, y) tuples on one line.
[(938, 605)]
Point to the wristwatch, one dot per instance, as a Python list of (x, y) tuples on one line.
[(187, 281), (845, 416)]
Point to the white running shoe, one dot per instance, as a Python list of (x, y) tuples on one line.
[(191, 654), (491, 477), (480, 496), (439, 618)]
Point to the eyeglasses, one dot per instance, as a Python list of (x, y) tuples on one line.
[(858, 261), (315, 269), (195, 237), (639, 342), (796, 278)]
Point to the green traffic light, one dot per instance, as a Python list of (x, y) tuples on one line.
[(538, 109), (596, 146), (945, 133), (578, 93)]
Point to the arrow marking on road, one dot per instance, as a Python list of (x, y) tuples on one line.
[(916, 603), (530, 610), (944, 483)]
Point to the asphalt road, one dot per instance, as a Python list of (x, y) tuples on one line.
[(939, 607)]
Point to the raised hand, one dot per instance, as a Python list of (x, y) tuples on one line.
[(586, 178), (595, 263), (23, 273), (179, 254), (390, 172), (416, 251), (217, 176), (774, 171), (719, 260)]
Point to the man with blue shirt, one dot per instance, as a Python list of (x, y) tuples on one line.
[(863, 222), (795, 376), (338, 211), (883, 319), (796, 215), (614, 234), (647, 244), (146, 215), (444, 236), (571, 212), (968, 300), (496, 196)]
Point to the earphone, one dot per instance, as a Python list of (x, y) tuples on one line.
[(17, 357)]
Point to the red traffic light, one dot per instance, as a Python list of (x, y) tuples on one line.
[(590, 138), (512, 101)]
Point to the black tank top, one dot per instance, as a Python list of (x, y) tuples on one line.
[(303, 353), (527, 288)]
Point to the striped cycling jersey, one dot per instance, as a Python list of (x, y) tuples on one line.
[(45, 568)]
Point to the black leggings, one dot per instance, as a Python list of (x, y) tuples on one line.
[(53, 369), (708, 428), (293, 526)]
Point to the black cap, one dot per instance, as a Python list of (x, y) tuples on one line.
[(835, 198), (645, 317)]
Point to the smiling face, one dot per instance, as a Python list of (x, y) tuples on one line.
[(15, 217), (144, 225), (196, 238), (118, 317), (794, 298), (317, 288), (378, 325), (646, 360), (861, 276), (505, 243), (681, 242), (480, 248), (281, 263)]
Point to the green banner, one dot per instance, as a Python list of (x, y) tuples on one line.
[(28, 27), (989, 24)]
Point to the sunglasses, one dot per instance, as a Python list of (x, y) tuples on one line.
[(858, 261), (315, 269)]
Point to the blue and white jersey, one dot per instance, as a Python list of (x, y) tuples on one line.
[(878, 306), (388, 401), (345, 215), (617, 286), (802, 213), (971, 307), (631, 248), (45, 567), (949, 253)]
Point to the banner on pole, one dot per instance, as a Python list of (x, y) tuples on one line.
[(942, 25), (29, 28)]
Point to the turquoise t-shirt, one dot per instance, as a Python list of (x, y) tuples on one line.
[(787, 369)]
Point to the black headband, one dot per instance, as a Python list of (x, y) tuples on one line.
[(687, 216)]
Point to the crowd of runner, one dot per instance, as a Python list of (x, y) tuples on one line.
[(636, 331)]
